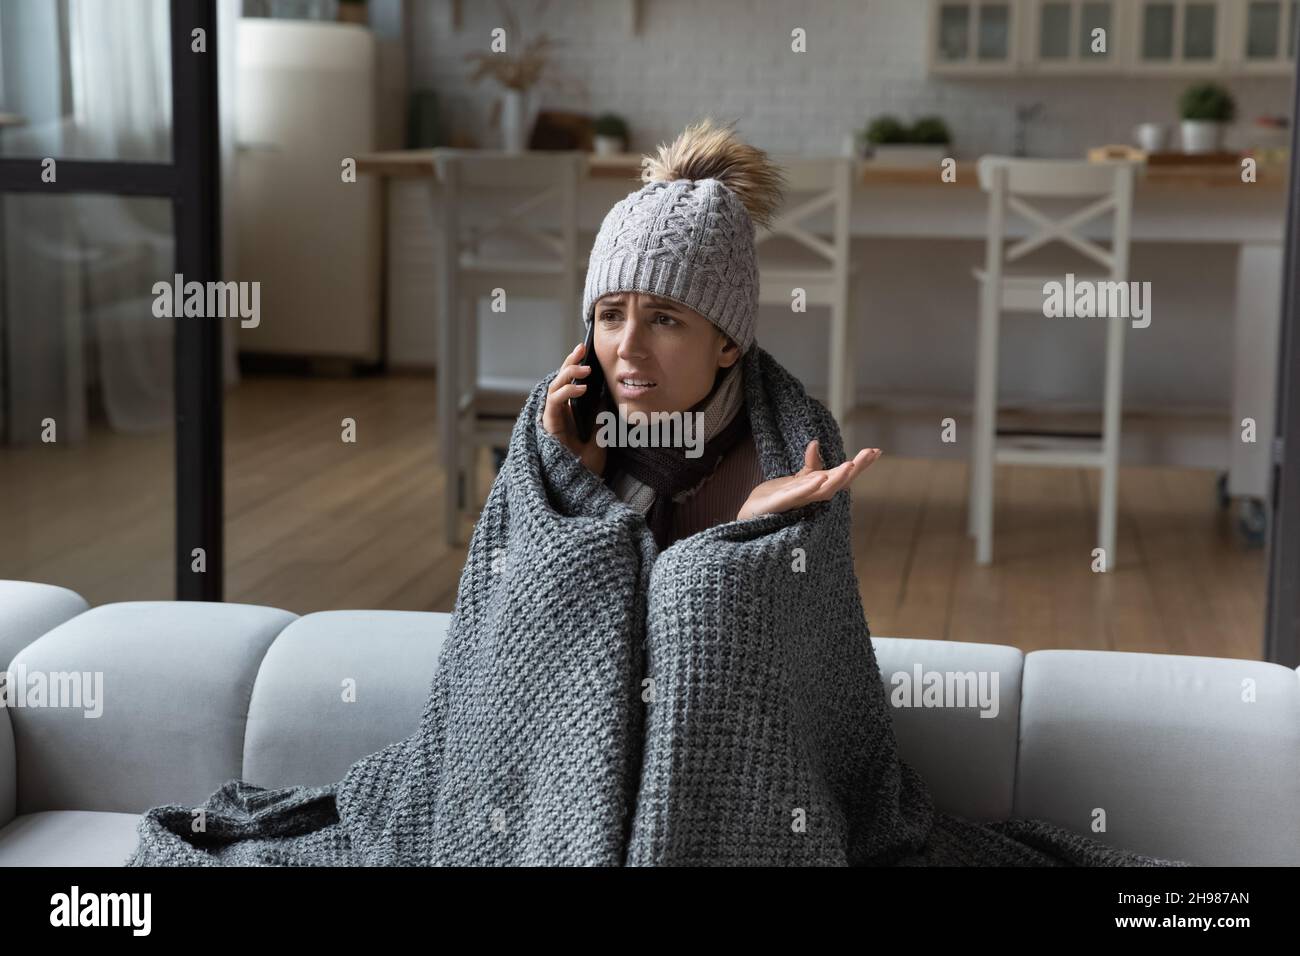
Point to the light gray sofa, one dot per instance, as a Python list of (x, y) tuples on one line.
[(195, 694)]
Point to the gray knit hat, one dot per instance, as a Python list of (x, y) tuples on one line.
[(688, 234)]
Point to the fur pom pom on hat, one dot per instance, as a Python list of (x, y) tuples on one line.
[(688, 233), (705, 151)]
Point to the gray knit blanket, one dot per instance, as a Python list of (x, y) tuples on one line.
[(598, 702)]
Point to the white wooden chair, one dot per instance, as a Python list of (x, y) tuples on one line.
[(826, 282), (541, 191), (1009, 183)]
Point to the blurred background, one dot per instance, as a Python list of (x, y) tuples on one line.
[(409, 181)]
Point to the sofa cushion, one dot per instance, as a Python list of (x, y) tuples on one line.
[(176, 678), (68, 838), (967, 760), (1169, 747), (303, 725), (28, 610)]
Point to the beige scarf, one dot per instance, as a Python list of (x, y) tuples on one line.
[(719, 409)]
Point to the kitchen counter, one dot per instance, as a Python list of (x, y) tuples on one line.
[(419, 162)]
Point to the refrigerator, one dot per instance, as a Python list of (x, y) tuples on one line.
[(307, 102)]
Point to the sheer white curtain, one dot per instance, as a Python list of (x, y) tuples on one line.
[(42, 374), (88, 268), (119, 55), (119, 58)]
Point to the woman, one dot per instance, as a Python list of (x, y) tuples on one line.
[(672, 291), (670, 332)]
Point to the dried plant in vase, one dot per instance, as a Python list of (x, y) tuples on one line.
[(518, 68)]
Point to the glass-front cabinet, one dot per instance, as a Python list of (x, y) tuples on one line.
[(1178, 36), (1264, 36), (1129, 37), (974, 36), (1072, 35)]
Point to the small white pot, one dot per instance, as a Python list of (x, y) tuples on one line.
[(907, 154), (1202, 136), (607, 145), (1150, 137)]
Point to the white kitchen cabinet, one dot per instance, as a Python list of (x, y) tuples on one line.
[(1177, 37), (1203, 38), (1073, 36), (1263, 36), (974, 36)]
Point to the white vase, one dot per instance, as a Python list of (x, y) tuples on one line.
[(514, 129), (1201, 136), (607, 145)]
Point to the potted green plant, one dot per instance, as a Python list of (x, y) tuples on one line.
[(893, 143), (885, 131), (930, 131), (1205, 109), (609, 134), (353, 11)]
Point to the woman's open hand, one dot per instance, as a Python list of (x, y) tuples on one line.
[(810, 483), (557, 417)]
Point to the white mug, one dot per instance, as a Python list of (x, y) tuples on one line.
[(1150, 137)]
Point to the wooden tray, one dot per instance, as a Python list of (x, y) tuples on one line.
[(1101, 154)]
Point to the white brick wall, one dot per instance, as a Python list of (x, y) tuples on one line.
[(733, 57), (915, 309)]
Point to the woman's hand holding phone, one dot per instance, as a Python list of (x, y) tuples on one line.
[(557, 418), (811, 483)]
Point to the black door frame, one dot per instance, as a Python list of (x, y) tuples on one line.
[(192, 182), (1282, 616)]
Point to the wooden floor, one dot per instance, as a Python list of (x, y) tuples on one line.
[(313, 523)]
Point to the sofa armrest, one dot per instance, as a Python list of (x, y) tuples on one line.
[(29, 610), (1189, 758)]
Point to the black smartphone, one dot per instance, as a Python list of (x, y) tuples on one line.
[(585, 406)]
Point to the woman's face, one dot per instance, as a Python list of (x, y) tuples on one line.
[(653, 340)]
